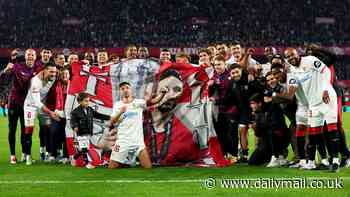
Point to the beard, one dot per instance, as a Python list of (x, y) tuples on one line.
[(167, 106), (51, 78)]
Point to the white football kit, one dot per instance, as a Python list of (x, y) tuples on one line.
[(293, 77), (33, 103), (319, 112), (130, 139), (314, 81)]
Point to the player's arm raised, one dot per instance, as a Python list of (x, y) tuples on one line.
[(158, 98), (244, 61), (8, 68)]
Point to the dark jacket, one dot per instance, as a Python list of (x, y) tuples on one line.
[(84, 121)]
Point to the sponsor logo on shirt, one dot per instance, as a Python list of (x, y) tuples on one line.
[(305, 78)]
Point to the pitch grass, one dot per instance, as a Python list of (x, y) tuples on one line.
[(42, 179)]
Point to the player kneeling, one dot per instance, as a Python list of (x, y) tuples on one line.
[(127, 117)]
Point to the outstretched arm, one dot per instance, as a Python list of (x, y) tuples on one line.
[(244, 61), (158, 98)]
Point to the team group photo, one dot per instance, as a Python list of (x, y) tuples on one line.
[(174, 98)]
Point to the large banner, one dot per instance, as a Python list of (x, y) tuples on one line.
[(178, 131)]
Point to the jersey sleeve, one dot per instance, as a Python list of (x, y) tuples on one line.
[(317, 64), (325, 76)]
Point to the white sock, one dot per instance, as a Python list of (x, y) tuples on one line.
[(28, 157), (302, 161), (336, 160), (325, 162), (42, 149), (312, 162)]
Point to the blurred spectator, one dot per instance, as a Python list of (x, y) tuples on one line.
[(171, 23)]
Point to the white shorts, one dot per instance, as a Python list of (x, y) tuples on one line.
[(323, 113), (30, 114), (126, 154), (301, 115)]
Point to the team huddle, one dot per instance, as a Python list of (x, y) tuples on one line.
[(245, 94)]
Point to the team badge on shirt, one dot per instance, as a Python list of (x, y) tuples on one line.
[(317, 64)]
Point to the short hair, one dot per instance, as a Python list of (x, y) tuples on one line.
[(182, 54), (258, 98), (169, 73), (114, 55), (204, 50), (102, 50), (73, 53), (58, 54), (46, 49), (123, 84), (219, 58), (311, 47), (234, 66), (277, 66), (235, 42), (277, 56), (49, 64), (269, 73), (82, 96), (165, 50)]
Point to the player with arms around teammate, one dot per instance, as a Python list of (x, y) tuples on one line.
[(127, 116), (34, 104), (321, 99)]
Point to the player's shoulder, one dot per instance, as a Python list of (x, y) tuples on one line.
[(36, 80), (311, 60)]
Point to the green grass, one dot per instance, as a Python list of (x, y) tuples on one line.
[(58, 180)]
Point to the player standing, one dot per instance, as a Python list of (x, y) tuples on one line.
[(33, 105)]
